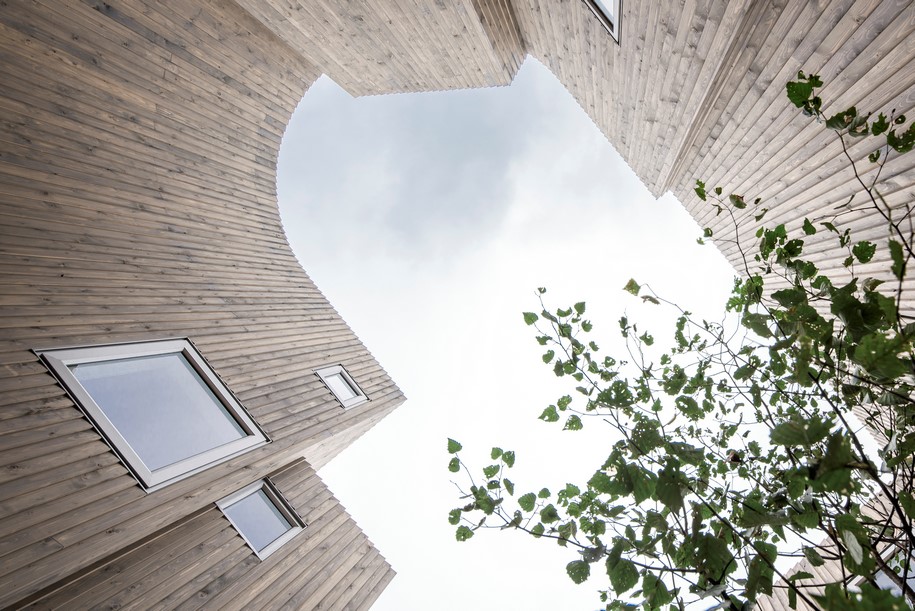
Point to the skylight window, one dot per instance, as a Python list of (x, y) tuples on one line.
[(343, 387), (608, 13), (159, 405), (262, 517)]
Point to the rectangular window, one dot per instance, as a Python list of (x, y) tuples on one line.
[(262, 517), (343, 387), (160, 406), (608, 13)]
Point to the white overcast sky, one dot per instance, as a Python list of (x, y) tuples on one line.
[(428, 220)]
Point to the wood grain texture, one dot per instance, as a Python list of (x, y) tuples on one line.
[(138, 146), (198, 561)]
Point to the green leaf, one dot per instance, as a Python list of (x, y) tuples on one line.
[(643, 483), (832, 473), (809, 229), (490, 471), (509, 486), (454, 465), (836, 598), (789, 298), (700, 190), (688, 407), (495, 453), (549, 414), (537, 530), (646, 436), (878, 355), (880, 125), (484, 502), (573, 424), (864, 251), (799, 92), (758, 323), (759, 577), (813, 557), (548, 356), (807, 519), (601, 482), (858, 558), (632, 287), (800, 432), (902, 142), (874, 157), (544, 493), (668, 488), (454, 517), (463, 533), (907, 501), (549, 514), (737, 201), (898, 258), (579, 308), (508, 457), (578, 570), (453, 446), (527, 501), (623, 575), (687, 453), (530, 318), (655, 592), (842, 120)]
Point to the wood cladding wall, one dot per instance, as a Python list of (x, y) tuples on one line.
[(371, 47), (202, 562), (138, 146), (696, 89)]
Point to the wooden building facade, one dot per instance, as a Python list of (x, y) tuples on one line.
[(138, 146)]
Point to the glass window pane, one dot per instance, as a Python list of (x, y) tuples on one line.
[(341, 387), (258, 519), (606, 7), (160, 405)]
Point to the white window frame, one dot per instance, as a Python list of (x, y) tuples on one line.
[(611, 21), (338, 370), (60, 360), (274, 496)]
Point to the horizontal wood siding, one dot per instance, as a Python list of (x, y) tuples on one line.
[(696, 89), (371, 47), (202, 562), (757, 144), (138, 146)]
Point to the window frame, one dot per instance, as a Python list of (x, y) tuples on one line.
[(339, 370), (611, 23), (279, 502), (59, 361)]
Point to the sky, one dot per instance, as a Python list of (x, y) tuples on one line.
[(429, 220)]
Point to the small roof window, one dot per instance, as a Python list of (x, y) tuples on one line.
[(160, 406), (342, 385), (608, 13), (262, 517)]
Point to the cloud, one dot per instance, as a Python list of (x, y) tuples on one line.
[(428, 220), (427, 176)]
